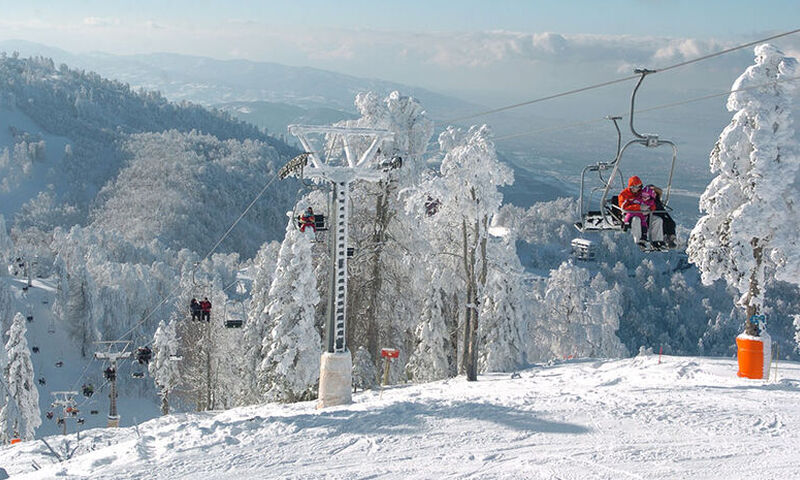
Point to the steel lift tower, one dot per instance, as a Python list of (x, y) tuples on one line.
[(348, 155), (111, 375)]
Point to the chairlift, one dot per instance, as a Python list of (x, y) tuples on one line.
[(35, 349), (304, 219), (87, 390), (234, 314), (59, 364), (144, 355), (29, 318), (310, 219), (42, 381), (110, 373), (590, 206), (583, 249), (432, 206), (80, 421), (94, 412), (137, 374), (608, 215)]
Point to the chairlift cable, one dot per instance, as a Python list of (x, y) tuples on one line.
[(644, 110), (619, 80)]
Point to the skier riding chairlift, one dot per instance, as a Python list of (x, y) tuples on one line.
[(307, 220), (88, 390), (143, 355)]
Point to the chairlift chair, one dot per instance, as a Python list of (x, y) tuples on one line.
[(583, 249), (234, 317), (144, 355), (609, 215), (591, 208), (294, 168)]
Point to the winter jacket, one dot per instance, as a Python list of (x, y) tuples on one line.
[(307, 220), (205, 305), (629, 200)]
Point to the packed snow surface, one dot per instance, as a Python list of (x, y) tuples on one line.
[(686, 417)]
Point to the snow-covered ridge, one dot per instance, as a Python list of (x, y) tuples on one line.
[(644, 417)]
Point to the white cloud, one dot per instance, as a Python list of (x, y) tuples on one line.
[(101, 21), (152, 24)]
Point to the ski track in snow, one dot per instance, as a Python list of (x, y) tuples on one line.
[(687, 417)]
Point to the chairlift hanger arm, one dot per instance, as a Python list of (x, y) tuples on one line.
[(643, 72)]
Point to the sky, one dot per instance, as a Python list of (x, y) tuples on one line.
[(636, 17), (487, 52)]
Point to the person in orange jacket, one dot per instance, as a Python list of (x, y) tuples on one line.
[(631, 201)]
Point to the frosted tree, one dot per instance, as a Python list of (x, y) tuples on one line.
[(434, 355), (290, 368), (257, 326), (19, 377), (580, 315), (466, 194), (378, 229), (503, 310), (163, 367), (6, 247), (750, 226), (5, 405)]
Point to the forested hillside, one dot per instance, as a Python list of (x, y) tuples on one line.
[(93, 120)]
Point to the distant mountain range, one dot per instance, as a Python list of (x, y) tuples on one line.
[(212, 82)]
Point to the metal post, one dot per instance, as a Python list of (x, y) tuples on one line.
[(113, 418), (112, 357), (337, 294)]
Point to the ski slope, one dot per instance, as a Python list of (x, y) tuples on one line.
[(687, 417), (57, 348)]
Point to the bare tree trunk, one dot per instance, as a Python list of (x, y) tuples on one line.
[(467, 298), (755, 289), (164, 402), (382, 218), (208, 399), (471, 323)]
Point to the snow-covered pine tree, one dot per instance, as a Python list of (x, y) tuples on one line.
[(164, 367), (19, 375), (751, 207), (503, 310), (290, 368), (434, 357), (257, 326)]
